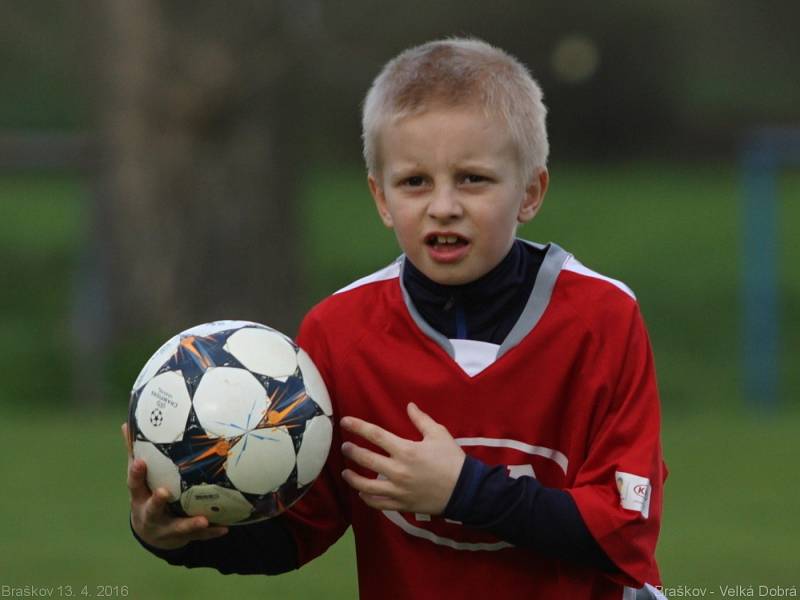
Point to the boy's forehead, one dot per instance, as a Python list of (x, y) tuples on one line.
[(474, 111), (460, 133)]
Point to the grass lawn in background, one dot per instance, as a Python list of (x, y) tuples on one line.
[(670, 231), (730, 513)]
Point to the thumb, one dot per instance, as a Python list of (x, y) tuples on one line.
[(126, 437), (423, 422)]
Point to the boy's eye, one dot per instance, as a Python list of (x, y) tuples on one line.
[(472, 178), (415, 181)]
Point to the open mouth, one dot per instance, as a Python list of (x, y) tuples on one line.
[(447, 240)]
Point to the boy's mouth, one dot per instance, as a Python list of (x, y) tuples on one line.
[(445, 240), (447, 247)]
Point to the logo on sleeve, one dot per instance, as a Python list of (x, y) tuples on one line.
[(634, 492)]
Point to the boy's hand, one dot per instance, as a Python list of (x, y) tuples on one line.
[(415, 477), (151, 518)]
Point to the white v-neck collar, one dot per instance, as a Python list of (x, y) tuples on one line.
[(472, 356)]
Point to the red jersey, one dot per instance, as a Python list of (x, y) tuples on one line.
[(569, 397)]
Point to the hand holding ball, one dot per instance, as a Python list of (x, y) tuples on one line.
[(233, 419)]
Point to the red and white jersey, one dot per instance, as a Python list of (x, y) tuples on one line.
[(569, 398)]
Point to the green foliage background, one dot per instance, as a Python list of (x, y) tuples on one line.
[(683, 79), (671, 231)]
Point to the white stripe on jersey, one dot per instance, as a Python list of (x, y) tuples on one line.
[(574, 265), (426, 534), (557, 457), (390, 272)]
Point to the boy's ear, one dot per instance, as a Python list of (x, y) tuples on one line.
[(534, 196), (380, 201)]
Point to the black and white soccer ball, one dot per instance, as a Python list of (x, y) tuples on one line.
[(233, 419)]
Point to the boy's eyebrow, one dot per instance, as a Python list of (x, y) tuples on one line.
[(479, 165), (403, 169), (470, 166)]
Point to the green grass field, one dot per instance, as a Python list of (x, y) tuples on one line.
[(670, 231), (731, 513)]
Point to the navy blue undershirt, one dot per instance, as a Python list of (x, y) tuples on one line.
[(263, 548), (521, 511), (485, 309)]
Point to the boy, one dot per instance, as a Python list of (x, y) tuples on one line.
[(500, 418)]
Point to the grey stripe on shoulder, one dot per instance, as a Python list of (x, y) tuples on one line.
[(437, 337), (534, 309), (540, 296)]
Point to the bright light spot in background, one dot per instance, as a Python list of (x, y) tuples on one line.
[(575, 58)]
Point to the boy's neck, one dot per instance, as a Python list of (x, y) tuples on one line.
[(485, 309)]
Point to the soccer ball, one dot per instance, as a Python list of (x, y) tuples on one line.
[(233, 419)]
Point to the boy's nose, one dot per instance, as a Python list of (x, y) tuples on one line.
[(444, 205)]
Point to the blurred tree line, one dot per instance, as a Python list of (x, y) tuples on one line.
[(207, 115), (665, 76)]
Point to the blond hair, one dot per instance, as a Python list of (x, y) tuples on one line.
[(454, 73)]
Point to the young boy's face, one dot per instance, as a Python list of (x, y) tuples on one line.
[(452, 189)]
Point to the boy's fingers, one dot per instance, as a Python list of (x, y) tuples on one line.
[(135, 476), (373, 487), (372, 433), (156, 511), (137, 480), (190, 526), (380, 502), (373, 461), (160, 498), (126, 436), (422, 421), (182, 530), (156, 505), (209, 533)]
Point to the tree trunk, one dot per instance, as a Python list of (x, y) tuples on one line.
[(199, 206)]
